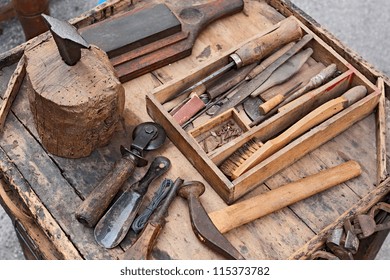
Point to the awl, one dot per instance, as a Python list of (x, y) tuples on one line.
[(280, 34)]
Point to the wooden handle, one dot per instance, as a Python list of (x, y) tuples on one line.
[(142, 247), (312, 119), (96, 203), (249, 210), (288, 31), (270, 104)]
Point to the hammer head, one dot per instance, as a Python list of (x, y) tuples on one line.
[(68, 40)]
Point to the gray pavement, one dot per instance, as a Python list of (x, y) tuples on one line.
[(362, 25)]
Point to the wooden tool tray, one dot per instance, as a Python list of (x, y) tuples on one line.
[(231, 190), (49, 189)]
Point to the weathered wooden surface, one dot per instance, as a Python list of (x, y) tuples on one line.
[(61, 184)]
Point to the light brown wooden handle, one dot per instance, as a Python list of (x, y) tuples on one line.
[(249, 210), (142, 247), (96, 203), (288, 31), (270, 104)]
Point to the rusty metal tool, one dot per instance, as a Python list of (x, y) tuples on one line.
[(253, 84), (116, 222), (193, 18), (142, 247), (365, 224), (147, 136), (278, 35), (68, 40), (203, 227)]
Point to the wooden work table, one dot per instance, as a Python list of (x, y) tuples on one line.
[(42, 192)]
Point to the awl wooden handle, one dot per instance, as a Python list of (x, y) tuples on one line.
[(288, 31), (249, 210)]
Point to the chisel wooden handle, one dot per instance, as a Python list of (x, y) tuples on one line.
[(97, 202), (312, 119), (268, 61), (256, 207), (288, 31)]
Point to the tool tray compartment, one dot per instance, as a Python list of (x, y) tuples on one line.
[(51, 188), (209, 163)]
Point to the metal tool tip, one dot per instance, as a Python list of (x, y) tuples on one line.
[(65, 30)]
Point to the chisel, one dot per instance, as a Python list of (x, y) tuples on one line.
[(253, 84), (280, 34)]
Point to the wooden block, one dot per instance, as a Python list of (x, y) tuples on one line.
[(76, 108)]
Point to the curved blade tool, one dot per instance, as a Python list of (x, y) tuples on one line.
[(202, 225)]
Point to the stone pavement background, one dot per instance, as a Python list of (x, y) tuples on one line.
[(362, 25)]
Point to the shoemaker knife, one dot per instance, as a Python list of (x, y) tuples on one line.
[(114, 225)]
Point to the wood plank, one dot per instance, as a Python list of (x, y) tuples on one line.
[(12, 90), (47, 182), (41, 215), (5, 75), (381, 131)]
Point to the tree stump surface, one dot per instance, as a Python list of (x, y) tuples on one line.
[(76, 108)]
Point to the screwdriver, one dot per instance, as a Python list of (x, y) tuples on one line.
[(278, 35)]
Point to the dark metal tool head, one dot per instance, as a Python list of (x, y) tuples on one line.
[(147, 136), (68, 40), (202, 225)]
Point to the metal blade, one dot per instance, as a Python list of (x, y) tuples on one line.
[(114, 225)]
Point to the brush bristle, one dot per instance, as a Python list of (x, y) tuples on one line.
[(239, 157)]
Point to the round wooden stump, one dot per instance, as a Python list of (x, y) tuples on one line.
[(76, 108)]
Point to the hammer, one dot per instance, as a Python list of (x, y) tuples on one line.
[(209, 228)]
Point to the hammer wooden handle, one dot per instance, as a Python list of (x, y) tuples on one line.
[(97, 202), (249, 210), (288, 31)]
